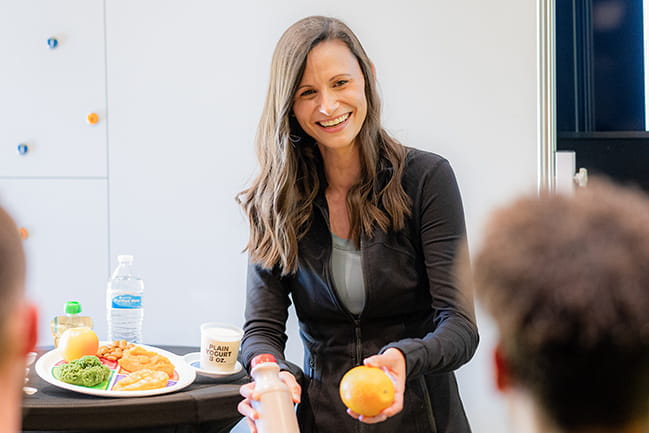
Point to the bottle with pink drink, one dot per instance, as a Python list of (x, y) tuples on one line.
[(275, 406)]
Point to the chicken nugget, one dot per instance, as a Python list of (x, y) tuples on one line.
[(142, 380), (138, 358)]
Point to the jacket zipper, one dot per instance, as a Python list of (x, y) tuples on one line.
[(357, 341), (357, 319), (357, 356), (361, 427)]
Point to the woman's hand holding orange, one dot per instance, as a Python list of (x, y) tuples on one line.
[(393, 363)]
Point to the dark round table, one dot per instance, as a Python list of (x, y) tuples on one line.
[(208, 405)]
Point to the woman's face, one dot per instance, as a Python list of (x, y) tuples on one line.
[(330, 103)]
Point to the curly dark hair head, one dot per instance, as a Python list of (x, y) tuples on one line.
[(566, 279)]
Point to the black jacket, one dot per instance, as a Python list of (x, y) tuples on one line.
[(411, 303)]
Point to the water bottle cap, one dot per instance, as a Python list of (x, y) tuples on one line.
[(72, 307), (125, 258), (260, 359)]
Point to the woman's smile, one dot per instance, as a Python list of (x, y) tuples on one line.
[(335, 124)]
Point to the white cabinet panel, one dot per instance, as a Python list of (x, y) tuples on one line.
[(67, 244), (46, 94), (181, 138)]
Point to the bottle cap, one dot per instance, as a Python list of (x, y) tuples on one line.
[(72, 307), (260, 359), (125, 258)]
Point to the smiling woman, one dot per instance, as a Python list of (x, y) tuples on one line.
[(330, 103), (358, 232)]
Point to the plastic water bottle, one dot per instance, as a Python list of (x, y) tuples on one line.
[(275, 406), (124, 306)]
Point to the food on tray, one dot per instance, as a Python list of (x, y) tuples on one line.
[(86, 371), (137, 358), (78, 342), (142, 380), (115, 350)]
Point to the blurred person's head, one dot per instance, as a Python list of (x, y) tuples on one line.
[(18, 327), (566, 279)]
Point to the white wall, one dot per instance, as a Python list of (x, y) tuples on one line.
[(57, 191), (185, 82), (186, 85)]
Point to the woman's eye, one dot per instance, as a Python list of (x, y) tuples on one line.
[(341, 83), (307, 92)]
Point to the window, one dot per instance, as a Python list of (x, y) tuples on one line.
[(600, 78)]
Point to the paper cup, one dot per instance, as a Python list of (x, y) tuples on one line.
[(219, 346)]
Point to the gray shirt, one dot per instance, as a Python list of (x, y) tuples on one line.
[(348, 274)]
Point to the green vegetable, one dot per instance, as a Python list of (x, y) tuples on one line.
[(85, 371)]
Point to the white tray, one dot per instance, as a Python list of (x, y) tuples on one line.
[(184, 375)]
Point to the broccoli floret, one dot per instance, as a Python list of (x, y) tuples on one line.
[(85, 371), (87, 361)]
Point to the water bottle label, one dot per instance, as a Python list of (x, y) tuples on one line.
[(127, 301)]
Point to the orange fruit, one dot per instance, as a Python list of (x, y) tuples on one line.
[(78, 342), (366, 390)]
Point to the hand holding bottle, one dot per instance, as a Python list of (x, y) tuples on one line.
[(264, 392)]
